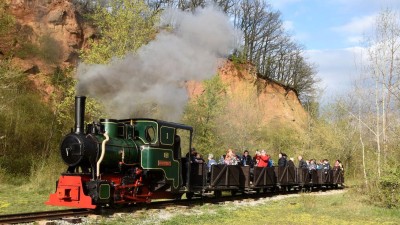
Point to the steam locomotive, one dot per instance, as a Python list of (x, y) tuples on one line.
[(114, 162)]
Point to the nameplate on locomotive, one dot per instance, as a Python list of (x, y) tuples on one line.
[(164, 163)]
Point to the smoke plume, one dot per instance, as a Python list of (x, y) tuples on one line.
[(151, 81)]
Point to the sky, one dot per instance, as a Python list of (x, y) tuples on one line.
[(332, 33)]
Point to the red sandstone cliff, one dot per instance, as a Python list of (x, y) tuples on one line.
[(277, 104)]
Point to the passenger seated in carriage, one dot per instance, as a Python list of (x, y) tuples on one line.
[(246, 159), (211, 161), (282, 160), (319, 165), (263, 159), (230, 158), (255, 160), (338, 165), (302, 163), (191, 156), (326, 165), (312, 165), (198, 158)]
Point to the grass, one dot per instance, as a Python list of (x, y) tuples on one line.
[(19, 199), (342, 208), (339, 208)]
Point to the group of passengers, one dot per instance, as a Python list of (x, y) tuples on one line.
[(262, 159)]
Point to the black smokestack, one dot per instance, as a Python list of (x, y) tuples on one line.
[(79, 113)]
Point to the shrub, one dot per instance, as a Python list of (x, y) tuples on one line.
[(27, 125), (50, 49), (384, 191), (27, 50), (61, 77)]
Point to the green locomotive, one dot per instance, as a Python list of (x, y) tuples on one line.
[(122, 161)]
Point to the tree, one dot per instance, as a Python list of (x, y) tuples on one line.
[(202, 113), (383, 79), (124, 26), (268, 46), (265, 43), (239, 125), (6, 20)]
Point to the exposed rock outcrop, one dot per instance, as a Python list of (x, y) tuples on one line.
[(57, 28), (277, 103)]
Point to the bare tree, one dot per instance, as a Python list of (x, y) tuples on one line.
[(271, 49), (384, 53)]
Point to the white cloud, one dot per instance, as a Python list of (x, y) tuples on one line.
[(357, 25), (288, 25), (337, 69), (357, 39), (372, 4)]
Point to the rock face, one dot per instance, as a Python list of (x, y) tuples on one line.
[(278, 105), (56, 27)]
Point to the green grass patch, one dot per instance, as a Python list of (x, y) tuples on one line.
[(341, 208), (20, 199)]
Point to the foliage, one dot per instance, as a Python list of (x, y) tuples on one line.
[(124, 26), (201, 113), (271, 49), (27, 50), (239, 125), (50, 49), (21, 138), (384, 191), (277, 138), (7, 21), (65, 103), (44, 173), (238, 59)]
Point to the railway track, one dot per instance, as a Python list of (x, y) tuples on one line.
[(36, 216)]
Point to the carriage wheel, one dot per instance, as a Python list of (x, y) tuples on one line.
[(217, 193), (234, 192)]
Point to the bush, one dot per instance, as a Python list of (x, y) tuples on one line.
[(7, 21), (45, 172), (28, 127), (61, 77), (50, 49), (27, 50), (384, 191)]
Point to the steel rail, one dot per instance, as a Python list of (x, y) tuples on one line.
[(36, 216)]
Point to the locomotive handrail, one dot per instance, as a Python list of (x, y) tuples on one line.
[(103, 151)]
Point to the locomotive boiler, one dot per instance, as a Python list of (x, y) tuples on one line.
[(121, 161)]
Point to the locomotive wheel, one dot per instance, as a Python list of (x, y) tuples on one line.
[(234, 192), (179, 197)]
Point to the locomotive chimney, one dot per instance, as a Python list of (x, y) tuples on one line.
[(79, 114)]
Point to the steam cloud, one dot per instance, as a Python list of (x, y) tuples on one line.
[(154, 76)]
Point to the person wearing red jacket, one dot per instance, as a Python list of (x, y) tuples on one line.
[(262, 159)]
